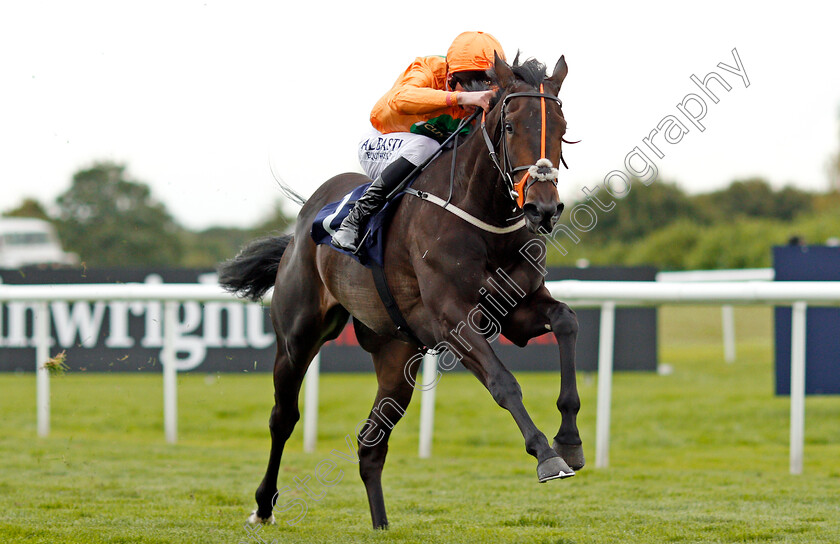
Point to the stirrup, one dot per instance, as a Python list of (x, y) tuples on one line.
[(354, 244)]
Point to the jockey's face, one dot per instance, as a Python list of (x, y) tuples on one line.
[(473, 80)]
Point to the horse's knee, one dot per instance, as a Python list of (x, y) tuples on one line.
[(564, 321)]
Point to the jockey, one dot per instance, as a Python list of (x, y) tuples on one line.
[(408, 123)]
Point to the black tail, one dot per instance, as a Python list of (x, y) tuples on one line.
[(251, 273)]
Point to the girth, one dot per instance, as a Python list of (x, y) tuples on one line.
[(391, 305)]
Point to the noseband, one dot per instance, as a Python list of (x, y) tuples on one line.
[(542, 170)]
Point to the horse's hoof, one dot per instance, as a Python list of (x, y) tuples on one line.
[(254, 519), (553, 468), (572, 454)]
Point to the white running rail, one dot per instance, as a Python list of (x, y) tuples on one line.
[(606, 295)]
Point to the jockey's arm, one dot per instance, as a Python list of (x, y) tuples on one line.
[(418, 95)]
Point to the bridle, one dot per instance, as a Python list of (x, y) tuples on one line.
[(533, 172), (542, 170)]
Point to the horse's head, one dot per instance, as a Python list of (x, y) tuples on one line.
[(530, 118)]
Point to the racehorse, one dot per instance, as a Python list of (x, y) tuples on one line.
[(459, 279)]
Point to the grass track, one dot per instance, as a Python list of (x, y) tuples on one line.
[(700, 455)]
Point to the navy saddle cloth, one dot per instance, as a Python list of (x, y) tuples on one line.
[(330, 217)]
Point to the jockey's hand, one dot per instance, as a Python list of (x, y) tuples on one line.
[(479, 99)]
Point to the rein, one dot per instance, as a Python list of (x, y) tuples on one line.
[(536, 172), (517, 190)]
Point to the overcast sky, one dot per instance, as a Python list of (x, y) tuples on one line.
[(200, 98)]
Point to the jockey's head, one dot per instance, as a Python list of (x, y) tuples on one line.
[(469, 57)]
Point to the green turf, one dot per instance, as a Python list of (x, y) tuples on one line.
[(700, 455)]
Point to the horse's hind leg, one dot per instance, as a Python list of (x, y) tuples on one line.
[(284, 416), (392, 399), (298, 340)]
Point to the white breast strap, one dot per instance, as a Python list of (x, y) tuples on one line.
[(472, 220)]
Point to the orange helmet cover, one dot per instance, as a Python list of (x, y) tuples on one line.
[(472, 51)]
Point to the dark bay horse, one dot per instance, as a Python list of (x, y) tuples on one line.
[(458, 283)]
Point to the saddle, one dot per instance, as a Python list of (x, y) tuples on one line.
[(372, 248)]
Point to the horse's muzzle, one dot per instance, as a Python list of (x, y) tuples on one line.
[(541, 216)]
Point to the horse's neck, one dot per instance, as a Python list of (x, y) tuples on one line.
[(479, 190), (477, 187)]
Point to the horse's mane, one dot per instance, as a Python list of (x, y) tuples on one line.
[(532, 72)]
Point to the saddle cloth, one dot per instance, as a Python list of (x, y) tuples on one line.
[(372, 249)]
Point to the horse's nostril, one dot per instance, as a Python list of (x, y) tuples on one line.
[(532, 213), (543, 212)]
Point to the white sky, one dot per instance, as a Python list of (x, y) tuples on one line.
[(199, 97)]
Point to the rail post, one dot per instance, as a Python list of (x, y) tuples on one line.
[(170, 377), (728, 322), (310, 404), (427, 405), (605, 371), (797, 386), (42, 355)]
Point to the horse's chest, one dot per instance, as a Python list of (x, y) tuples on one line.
[(518, 279)]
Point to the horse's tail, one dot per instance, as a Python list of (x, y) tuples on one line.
[(290, 193), (251, 273)]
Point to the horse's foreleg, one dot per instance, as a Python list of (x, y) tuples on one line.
[(532, 318), (507, 393), (567, 441), (392, 399), (502, 385)]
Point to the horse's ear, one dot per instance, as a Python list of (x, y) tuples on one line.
[(560, 72), (504, 74)]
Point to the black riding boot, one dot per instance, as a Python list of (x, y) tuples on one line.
[(348, 234)]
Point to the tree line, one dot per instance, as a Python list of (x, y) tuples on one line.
[(735, 227), (112, 220)]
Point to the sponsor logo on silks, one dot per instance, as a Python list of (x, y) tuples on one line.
[(382, 144), (438, 128), (381, 148), (378, 155)]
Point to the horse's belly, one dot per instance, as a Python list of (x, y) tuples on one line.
[(351, 285)]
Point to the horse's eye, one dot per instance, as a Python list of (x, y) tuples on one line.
[(509, 127)]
